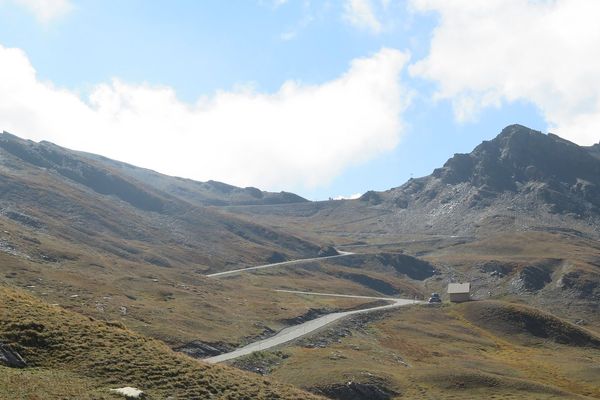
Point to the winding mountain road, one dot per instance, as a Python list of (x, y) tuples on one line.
[(297, 331), (279, 264)]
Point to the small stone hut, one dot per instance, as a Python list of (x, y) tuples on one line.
[(459, 292)]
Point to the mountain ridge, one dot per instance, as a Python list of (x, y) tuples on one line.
[(517, 217), (49, 155), (89, 202), (535, 175)]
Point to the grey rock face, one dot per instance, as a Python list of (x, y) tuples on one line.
[(522, 155), (10, 358), (521, 177)]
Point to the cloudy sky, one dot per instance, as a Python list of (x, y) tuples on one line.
[(323, 98)]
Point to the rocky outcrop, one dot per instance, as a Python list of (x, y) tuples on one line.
[(129, 392), (536, 276), (583, 285), (378, 285), (595, 150), (407, 265), (521, 155), (328, 251), (23, 219), (520, 161), (312, 313), (532, 278), (198, 349), (371, 197), (10, 358), (497, 268), (261, 362), (401, 264)]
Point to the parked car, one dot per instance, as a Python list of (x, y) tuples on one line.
[(435, 298)]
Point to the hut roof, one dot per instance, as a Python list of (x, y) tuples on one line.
[(459, 287)]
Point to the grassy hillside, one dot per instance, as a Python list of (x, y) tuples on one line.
[(526, 325), (48, 189), (75, 356), (555, 271), (445, 352), (165, 303), (553, 268), (105, 241), (198, 193)]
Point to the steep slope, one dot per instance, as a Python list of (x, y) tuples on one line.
[(198, 193), (52, 189), (519, 216), (96, 356), (522, 177), (526, 325), (86, 236), (595, 150), (475, 350), (520, 180)]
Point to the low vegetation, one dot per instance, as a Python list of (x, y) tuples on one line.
[(78, 357), (102, 272), (448, 352)]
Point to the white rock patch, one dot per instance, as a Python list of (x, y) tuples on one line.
[(129, 392)]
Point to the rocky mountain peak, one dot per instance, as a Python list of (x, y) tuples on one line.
[(519, 155), (521, 170)]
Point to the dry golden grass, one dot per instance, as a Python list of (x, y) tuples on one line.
[(450, 355), (41, 384), (566, 255), (176, 305), (94, 355)]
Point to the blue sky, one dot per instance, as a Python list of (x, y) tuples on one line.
[(323, 98)]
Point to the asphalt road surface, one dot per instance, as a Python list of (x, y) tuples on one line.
[(279, 264), (297, 331)]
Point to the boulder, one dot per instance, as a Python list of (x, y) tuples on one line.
[(129, 392), (10, 358)]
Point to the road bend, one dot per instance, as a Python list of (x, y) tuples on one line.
[(279, 264), (297, 331)]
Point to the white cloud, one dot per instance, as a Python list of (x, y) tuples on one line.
[(351, 197), (46, 10), (300, 136), (361, 14), (484, 53)]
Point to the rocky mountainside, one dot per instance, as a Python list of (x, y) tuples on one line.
[(521, 178), (81, 233), (86, 168), (522, 184), (595, 150), (519, 160), (518, 216), (133, 213), (198, 193)]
